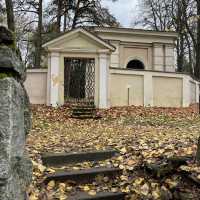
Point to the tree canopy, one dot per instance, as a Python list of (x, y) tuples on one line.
[(37, 21)]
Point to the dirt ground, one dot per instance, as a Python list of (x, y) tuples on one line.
[(142, 136)]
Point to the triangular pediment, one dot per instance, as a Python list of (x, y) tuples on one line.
[(79, 39)]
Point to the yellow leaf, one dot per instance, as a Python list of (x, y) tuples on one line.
[(92, 193), (62, 187), (138, 181), (156, 194), (33, 197), (124, 178), (41, 168), (63, 197), (123, 150), (51, 185), (131, 162), (50, 170), (86, 188), (120, 158), (145, 189), (114, 190), (121, 166), (69, 188), (171, 183)]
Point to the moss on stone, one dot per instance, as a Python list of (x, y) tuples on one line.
[(6, 75)]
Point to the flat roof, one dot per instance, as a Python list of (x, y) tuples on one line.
[(121, 30)]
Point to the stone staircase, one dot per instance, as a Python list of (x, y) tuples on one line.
[(84, 112), (83, 176)]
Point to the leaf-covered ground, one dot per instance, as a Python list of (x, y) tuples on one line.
[(142, 135)]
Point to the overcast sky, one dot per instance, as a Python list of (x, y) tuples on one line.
[(123, 10)]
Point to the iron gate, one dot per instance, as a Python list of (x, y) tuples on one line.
[(79, 80)]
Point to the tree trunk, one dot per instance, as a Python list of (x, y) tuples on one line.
[(65, 16), (197, 67), (65, 22), (10, 15), (180, 42), (190, 55), (39, 37), (180, 52), (59, 15), (76, 10)]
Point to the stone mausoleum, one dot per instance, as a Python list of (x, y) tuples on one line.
[(112, 67)]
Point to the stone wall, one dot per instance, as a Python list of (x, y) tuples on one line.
[(15, 122), (151, 88), (36, 85)]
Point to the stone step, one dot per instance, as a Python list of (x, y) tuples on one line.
[(84, 117), (58, 159), (83, 114), (84, 106), (83, 176), (75, 112), (83, 110), (99, 196)]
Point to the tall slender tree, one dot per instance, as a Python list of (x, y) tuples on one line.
[(197, 67), (10, 15), (38, 41)]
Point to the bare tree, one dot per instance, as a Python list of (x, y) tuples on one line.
[(175, 15), (35, 10), (197, 67)]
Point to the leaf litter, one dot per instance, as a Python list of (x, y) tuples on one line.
[(141, 135)]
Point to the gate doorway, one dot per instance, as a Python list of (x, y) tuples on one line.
[(79, 80)]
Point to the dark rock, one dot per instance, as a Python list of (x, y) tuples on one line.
[(6, 36), (159, 170), (178, 161), (166, 167), (9, 62)]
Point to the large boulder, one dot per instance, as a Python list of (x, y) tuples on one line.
[(15, 123)]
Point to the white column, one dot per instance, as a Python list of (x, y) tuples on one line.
[(49, 79), (186, 91), (55, 81), (148, 90), (103, 80)]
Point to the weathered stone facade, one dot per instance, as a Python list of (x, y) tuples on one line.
[(15, 123)]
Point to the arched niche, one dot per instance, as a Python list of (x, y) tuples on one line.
[(135, 64)]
